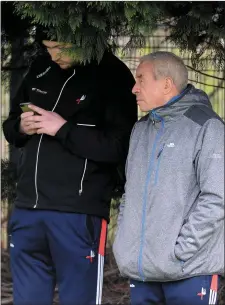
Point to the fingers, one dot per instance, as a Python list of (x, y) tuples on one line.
[(37, 125), (38, 109), (33, 125), (31, 132), (27, 123), (38, 118), (31, 122), (33, 118), (27, 127), (26, 114), (40, 131)]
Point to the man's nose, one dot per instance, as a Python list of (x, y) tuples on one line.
[(135, 89), (55, 56)]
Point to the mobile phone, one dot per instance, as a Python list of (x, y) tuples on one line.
[(24, 107)]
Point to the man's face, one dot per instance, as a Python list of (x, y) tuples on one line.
[(55, 49), (149, 91)]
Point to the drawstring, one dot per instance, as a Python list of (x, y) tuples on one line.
[(155, 117), (162, 121)]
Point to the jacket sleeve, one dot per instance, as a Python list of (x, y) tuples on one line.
[(108, 143), (123, 198), (208, 214), (12, 124)]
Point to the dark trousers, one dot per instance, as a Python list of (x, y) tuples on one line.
[(49, 247), (199, 290)]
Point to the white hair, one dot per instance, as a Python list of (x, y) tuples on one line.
[(167, 64)]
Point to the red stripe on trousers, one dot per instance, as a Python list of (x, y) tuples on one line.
[(214, 282), (102, 242)]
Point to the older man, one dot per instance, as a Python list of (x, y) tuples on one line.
[(73, 140), (170, 237)]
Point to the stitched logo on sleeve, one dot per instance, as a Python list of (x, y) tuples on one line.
[(43, 73)]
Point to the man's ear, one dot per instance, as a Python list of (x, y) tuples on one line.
[(168, 85)]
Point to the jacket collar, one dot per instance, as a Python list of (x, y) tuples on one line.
[(179, 104)]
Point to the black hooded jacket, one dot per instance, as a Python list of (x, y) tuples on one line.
[(74, 171)]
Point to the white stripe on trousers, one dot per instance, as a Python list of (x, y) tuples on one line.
[(212, 297), (99, 279)]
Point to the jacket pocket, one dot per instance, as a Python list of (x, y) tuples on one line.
[(90, 228), (93, 228), (196, 263)]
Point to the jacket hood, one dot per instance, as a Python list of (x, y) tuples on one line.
[(179, 104)]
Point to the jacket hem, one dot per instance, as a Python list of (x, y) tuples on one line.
[(66, 209), (178, 279)]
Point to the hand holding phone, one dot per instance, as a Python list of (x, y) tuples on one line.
[(26, 122), (25, 108)]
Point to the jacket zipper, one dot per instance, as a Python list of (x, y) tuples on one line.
[(82, 179), (39, 144), (35, 175), (158, 164), (149, 173)]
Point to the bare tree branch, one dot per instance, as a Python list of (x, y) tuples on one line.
[(191, 80), (14, 68), (202, 73)]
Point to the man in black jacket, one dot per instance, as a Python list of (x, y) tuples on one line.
[(73, 139)]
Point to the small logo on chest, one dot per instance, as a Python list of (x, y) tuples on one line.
[(83, 97), (170, 145), (39, 91)]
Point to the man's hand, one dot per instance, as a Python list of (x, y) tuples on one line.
[(46, 122), (26, 123)]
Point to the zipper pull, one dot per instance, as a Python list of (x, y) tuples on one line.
[(161, 150), (153, 122)]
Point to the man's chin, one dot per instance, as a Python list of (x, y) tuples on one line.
[(64, 66), (143, 108)]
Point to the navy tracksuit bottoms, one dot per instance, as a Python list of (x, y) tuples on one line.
[(49, 247), (199, 290)]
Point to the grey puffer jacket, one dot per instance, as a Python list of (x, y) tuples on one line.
[(171, 223)]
